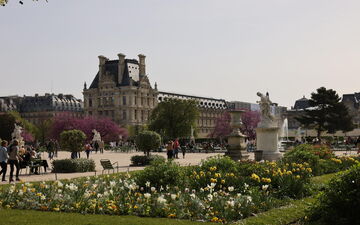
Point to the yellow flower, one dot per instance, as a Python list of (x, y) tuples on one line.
[(214, 219), (212, 180), (266, 180), (217, 175), (135, 207), (223, 181), (197, 177), (255, 177), (213, 168), (232, 174), (171, 215), (56, 209), (289, 173), (309, 170), (38, 194), (297, 176)]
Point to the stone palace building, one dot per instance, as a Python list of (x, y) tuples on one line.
[(121, 90)]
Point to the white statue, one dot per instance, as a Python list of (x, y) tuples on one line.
[(266, 118), (97, 136), (16, 134)]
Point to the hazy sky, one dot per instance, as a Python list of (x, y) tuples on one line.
[(226, 49)]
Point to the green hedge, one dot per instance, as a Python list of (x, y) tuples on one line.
[(143, 160), (73, 165)]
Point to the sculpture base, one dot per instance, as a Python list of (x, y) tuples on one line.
[(236, 150), (237, 154), (267, 141)]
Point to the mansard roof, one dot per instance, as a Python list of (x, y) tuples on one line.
[(112, 69), (301, 103)]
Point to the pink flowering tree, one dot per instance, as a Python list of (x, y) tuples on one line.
[(108, 129), (27, 136), (250, 121), (222, 126)]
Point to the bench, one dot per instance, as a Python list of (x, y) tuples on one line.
[(107, 165)]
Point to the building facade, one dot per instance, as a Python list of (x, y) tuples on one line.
[(121, 91), (39, 108)]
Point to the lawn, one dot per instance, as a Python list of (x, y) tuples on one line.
[(31, 217)]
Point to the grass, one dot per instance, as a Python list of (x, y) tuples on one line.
[(288, 214), (31, 217)]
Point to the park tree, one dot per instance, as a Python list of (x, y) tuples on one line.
[(72, 141), (147, 141), (6, 126), (250, 120), (326, 113), (108, 129), (222, 127), (174, 118)]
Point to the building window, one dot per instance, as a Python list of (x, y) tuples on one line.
[(124, 114), (100, 113), (135, 98), (90, 113), (135, 113), (124, 100)]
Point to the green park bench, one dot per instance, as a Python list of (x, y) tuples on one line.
[(107, 165)]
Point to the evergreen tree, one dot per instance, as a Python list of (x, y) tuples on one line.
[(326, 113)]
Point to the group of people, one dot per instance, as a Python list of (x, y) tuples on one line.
[(173, 148), (94, 146), (14, 156)]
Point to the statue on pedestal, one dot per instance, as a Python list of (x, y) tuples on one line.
[(97, 136), (267, 120)]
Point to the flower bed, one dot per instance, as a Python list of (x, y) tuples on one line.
[(218, 190)]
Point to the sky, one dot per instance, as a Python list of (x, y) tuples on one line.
[(228, 49)]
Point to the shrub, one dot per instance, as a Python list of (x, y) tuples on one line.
[(143, 160), (72, 140), (161, 174), (147, 141), (340, 202), (73, 165)]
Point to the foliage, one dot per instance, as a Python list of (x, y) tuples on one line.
[(309, 154), (250, 121), (147, 141), (340, 202), (173, 118), (222, 127), (72, 140), (73, 165), (326, 113), (161, 174), (7, 126), (29, 128), (143, 160), (109, 130)]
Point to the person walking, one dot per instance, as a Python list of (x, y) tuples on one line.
[(3, 159), (14, 160), (169, 150), (183, 150), (358, 144), (87, 150), (176, 147), (102, 146)]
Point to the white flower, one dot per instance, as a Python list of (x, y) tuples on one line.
[(230, 203), (210, 197), (161, 188), (147, 195), (187, 190), (201, 189), (42, 197), (99, 195), (112, 183), (161, 199), (111, 192), (106, 193), (153, 189), (265, 187), (192, 195), (231, 188), (249, 199), (21, 193), (193, 191), (59, 184), (72, 187), (239, 194), (59, 191), (167, 187), (173, 196), (246, 185), (215, 194), (212, 185), (147, 184), (87, 194), (11, 189)]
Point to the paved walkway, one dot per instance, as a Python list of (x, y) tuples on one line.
[(124, 161)]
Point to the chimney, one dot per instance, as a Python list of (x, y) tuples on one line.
[(142, 64), (121, 66), (102, 61)]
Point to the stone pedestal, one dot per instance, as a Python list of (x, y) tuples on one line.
[(236, 140), (267, 142), (236, 150)]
